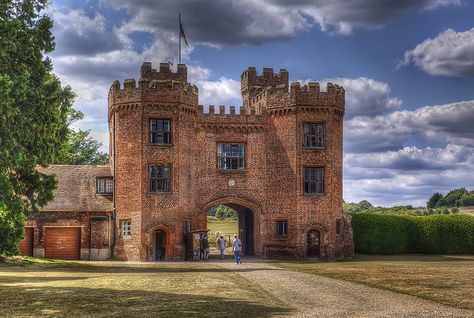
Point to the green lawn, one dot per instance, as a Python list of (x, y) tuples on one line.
[(112, 289), (226, 226), (441, 278)]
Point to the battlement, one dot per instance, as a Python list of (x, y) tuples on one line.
[(221, 111), (250, 78), (164, 73), (252, 84), (314, 88)]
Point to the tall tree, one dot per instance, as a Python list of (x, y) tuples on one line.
[(433, 200), (81, 148), (34, 110)]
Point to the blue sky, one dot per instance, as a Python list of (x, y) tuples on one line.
[(407, 67)]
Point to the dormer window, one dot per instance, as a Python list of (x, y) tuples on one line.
[(105, 186)]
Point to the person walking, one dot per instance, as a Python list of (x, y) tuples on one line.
[(205, 246), (222, 246), (237, 245)]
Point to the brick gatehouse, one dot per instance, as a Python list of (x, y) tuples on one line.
[(277, 161)]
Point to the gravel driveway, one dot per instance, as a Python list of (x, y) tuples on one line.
[(316, 296)]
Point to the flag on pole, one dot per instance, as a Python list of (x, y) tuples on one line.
[(181, 31)]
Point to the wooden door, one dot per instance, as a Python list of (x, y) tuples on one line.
[(63, 243), (160, 245), (313, 241), (26, 245)]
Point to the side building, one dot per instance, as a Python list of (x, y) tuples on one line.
[(77, 224)]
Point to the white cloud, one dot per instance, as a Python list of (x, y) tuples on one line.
[(450, 123), (451, 53), (366, 97), (221, 92), (407, 176)]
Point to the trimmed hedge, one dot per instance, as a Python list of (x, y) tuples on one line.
[(394, 234)]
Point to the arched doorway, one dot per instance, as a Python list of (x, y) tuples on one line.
[(159, 245), (313, 239), (246, 227)]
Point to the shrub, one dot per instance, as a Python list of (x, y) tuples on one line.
[(380, 234), (394, 234), (450, 234)]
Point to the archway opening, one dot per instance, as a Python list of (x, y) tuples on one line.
[(231, 219)]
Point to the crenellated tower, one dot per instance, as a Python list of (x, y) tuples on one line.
[(172, 162)]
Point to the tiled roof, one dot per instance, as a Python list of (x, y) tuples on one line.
[(76, 189)]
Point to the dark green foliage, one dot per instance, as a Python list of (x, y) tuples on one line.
[(11, 228), (433, 200), (224, 212), (34, 111), (440, 234), (380, 234), (394, 234), (362, 206), (467, 199), (453, 197)]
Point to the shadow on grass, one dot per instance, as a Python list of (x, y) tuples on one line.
[(102, 302), (128, 268)]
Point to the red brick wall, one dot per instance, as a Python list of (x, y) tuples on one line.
[(271, 185)]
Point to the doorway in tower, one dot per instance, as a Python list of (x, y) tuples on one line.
[(229, 220), (159, 245), (313, 244)]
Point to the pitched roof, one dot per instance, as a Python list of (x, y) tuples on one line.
[(76, 189)]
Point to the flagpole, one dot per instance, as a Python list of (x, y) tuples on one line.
[(179, 46)]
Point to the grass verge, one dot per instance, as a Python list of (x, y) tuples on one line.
[(445, 279), (110, 289)]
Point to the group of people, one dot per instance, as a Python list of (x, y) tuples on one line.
[(201, 247), (221, 245)]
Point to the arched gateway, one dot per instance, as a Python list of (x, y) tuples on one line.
[(277, 161), (249, 215)]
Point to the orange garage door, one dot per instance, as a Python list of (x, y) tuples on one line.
[(26, 245), (63, 243)]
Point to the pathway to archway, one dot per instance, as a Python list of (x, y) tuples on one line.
[(317, 296)]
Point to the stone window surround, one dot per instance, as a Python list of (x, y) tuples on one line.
[(163, 164), (323, 123), (150, 118), (324, 180), (245, 157), (283, 235), (126, 229)]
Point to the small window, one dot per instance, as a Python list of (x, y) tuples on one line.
[(231, 156), (313, 135), (282, 228), (160, 131), (338, 226), (105, 186), (160, 181), (126, 228), (313, 180)]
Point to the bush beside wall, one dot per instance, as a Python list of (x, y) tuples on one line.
[(394, 234)]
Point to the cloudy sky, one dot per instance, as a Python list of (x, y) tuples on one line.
[(407, 67)]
